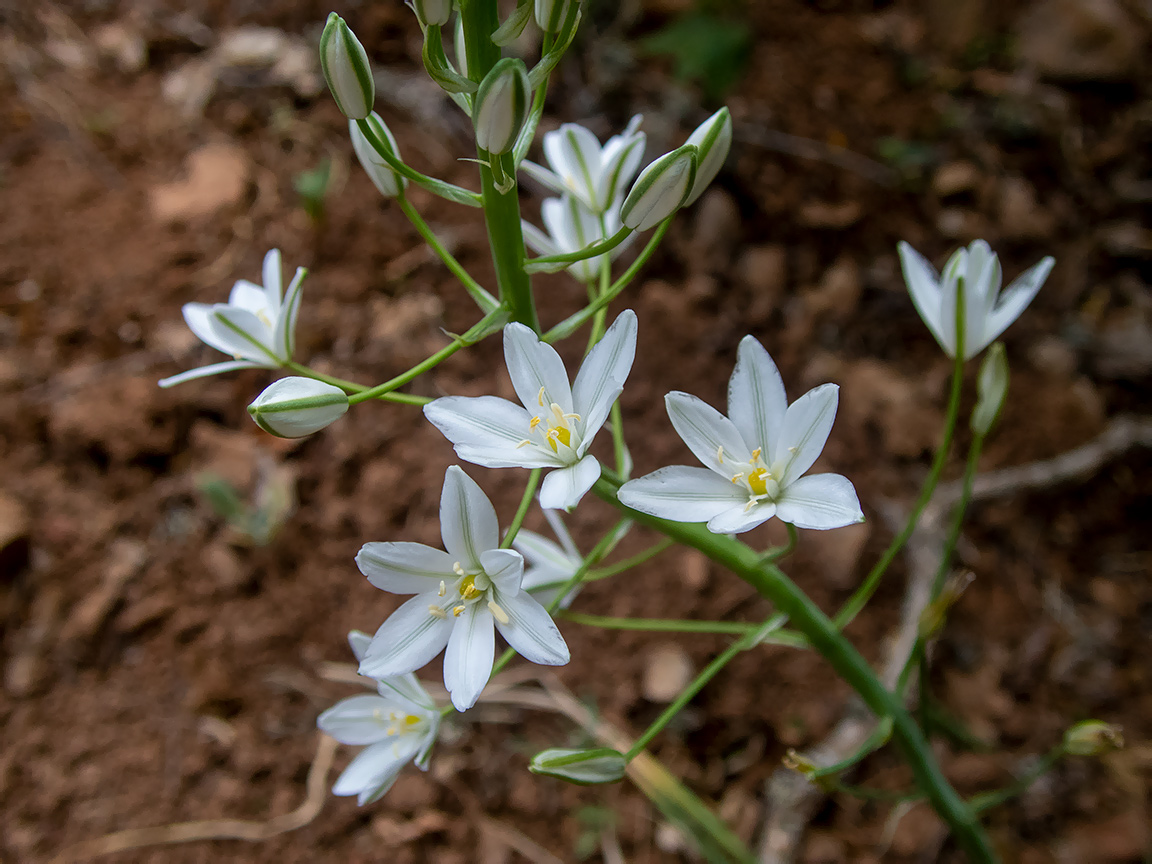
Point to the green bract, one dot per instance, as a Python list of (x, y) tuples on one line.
[(661, 189), (501, 105), (346, 69), (294, 407), (992, 387), (585, 767)]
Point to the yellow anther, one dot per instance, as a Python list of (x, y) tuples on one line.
[(458, 611), (437, 612), (758, 481), (523, 443), (792, 449), (443, 589), (498, 613), (457, 569), (391, 730), (536, 421), (756, 454), (540, 398), (736, 478), (411, 720), (720, 454)]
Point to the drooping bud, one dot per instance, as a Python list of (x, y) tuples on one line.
[(432, 13), (1092, 738), (713, 138), (584, 767), (346, 69), (660, 189), (551, 14), (992, 389), (501, 105), (294, 407), (379, 172)]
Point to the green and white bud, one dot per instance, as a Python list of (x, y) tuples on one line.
[(551, 14), (713, 138), (379, 172), (1092, 738), (584, 767), (991, 388), (661, 189), (501, 105), (346, 69), (294, 407), (432, 13)]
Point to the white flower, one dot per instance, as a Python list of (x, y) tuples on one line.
[(460, 595), (661, 189), (294, 407), (399, 725), (257, 325), (572, 227), (755, 457), (557, 423), (379, 172), (346, 69), (987, 310), (596, 175), (548, 563), (501, 105)]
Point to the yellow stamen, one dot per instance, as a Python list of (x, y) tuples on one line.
[(411, 720), (458, 611), (540, 398), (756, 454), (523, 443), (758, 481), (736, 478), (536, 421), (437, 612), (498, 613), (720, 454), (443, 589), (468, 588), (391, 730), (457, 569)]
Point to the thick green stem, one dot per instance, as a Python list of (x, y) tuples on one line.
[(826, 638), (501, 212)]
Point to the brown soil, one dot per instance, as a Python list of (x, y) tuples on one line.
[(157, 668)]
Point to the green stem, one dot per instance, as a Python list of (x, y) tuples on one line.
[(501, 212), (958, 512), (483, 299), (383, 391), (806, 617), (680, 625), (545, 262), (988, 800), (775, 553), (719, 662), (868, 587), (878, 737), (353, 387), (869, 793), (570, 323), (630, 562), (522, 510), (437, 187)]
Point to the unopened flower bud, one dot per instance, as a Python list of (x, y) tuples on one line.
[(713, 138), (660, 189), (432, 13), (381, 174), (501, 105), (1092, 738), (584, 767), (992, 389), (551, 14), (346, 69), (294, 407)]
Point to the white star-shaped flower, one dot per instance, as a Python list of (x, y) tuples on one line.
[(755, 457), (460, 595), (257, 325), (987, 310), (556, 424), (398, 725)]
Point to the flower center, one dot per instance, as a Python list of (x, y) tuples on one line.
[(398, 723), (755, 476), (554, 428), (470, 588)]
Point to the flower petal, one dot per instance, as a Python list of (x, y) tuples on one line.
[(273, 274), (756, 398), (705, 430), (531, 631), (356, 720), (247, 337), (1015, 298), (807, 423), (471, 652), (602, 375), (954, 272), (682, 494), (198, 317), (923, 286), (537, 240), (820, 501), (488, 431), (468, 521), (284, 337), (574, 154), (981, 287), (740, 519), (561, 531), (539, 551), (505, 567), (205, 371), (359, 641), (410, 638), (537, 372), (246, 295), (563, 488), (542, 175), (372, 773), (408, 694), (403, 567)]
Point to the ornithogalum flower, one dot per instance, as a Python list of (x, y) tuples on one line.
[(556, 424), (755, 457), (987, 310), (399, 725), (257, 325), (461, 594), (596, 175), (572, 227), (547, 564)]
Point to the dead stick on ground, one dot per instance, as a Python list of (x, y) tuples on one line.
[(219, 829), (791, 799)]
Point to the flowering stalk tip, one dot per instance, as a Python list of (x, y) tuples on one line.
[(346, 69)]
